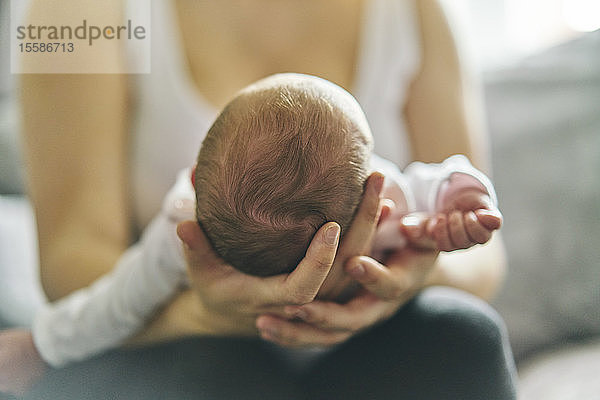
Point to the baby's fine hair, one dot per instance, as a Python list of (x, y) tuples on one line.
[(286, 155)]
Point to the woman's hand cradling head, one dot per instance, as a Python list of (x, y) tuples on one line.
[(228, 294), (231, 300), (385, 288)]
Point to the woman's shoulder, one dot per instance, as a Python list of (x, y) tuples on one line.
[(75, 32)]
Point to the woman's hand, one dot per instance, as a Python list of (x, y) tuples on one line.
[(231, 300), (20, 363), (385, 290)]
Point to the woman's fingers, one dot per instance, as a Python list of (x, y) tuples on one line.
[(301, 286), (414, 226), (327, 323), (198, 251), (387, 207), (362, 311), (324, 323), (406, 270), (358, 238), (192, 236), (297, 334), (385, 283)]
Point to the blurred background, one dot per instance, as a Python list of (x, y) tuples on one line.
[(539, 61), (500, 32)]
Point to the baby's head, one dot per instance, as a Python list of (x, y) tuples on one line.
[(286, 155)]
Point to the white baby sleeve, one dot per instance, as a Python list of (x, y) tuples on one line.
[(101, 316), (428, 180), (395, 183)]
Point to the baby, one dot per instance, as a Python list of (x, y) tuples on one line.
[(286, 155)]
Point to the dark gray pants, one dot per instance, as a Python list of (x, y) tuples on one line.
[(444, 344)]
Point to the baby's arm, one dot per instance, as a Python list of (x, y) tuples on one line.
[(459, 202), (102, 316), (447, 206)]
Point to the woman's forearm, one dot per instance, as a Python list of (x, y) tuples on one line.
[(181, 317), (186, 316), (76, 159), (479, 270)]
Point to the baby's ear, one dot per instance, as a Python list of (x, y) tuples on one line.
[(193, 175)]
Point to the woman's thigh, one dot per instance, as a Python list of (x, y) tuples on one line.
[(199, 368), (445, 344)]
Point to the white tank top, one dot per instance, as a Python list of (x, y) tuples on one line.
[(171, 117)]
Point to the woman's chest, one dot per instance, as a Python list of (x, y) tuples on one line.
[(228, 45)]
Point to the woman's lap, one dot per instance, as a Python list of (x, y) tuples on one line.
[(445, 344), (198, 368), (442, 345)]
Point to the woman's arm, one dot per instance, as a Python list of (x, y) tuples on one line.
[(74, 129), (444, 115), (479, 270), (443, 109)]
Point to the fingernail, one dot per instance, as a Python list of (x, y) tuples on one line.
[(265, 329), (332, 233), (262, 324), (483, 211), (490, 219), (358, 270), (411, 220)]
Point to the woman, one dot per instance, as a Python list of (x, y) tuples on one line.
[(399, 59)]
